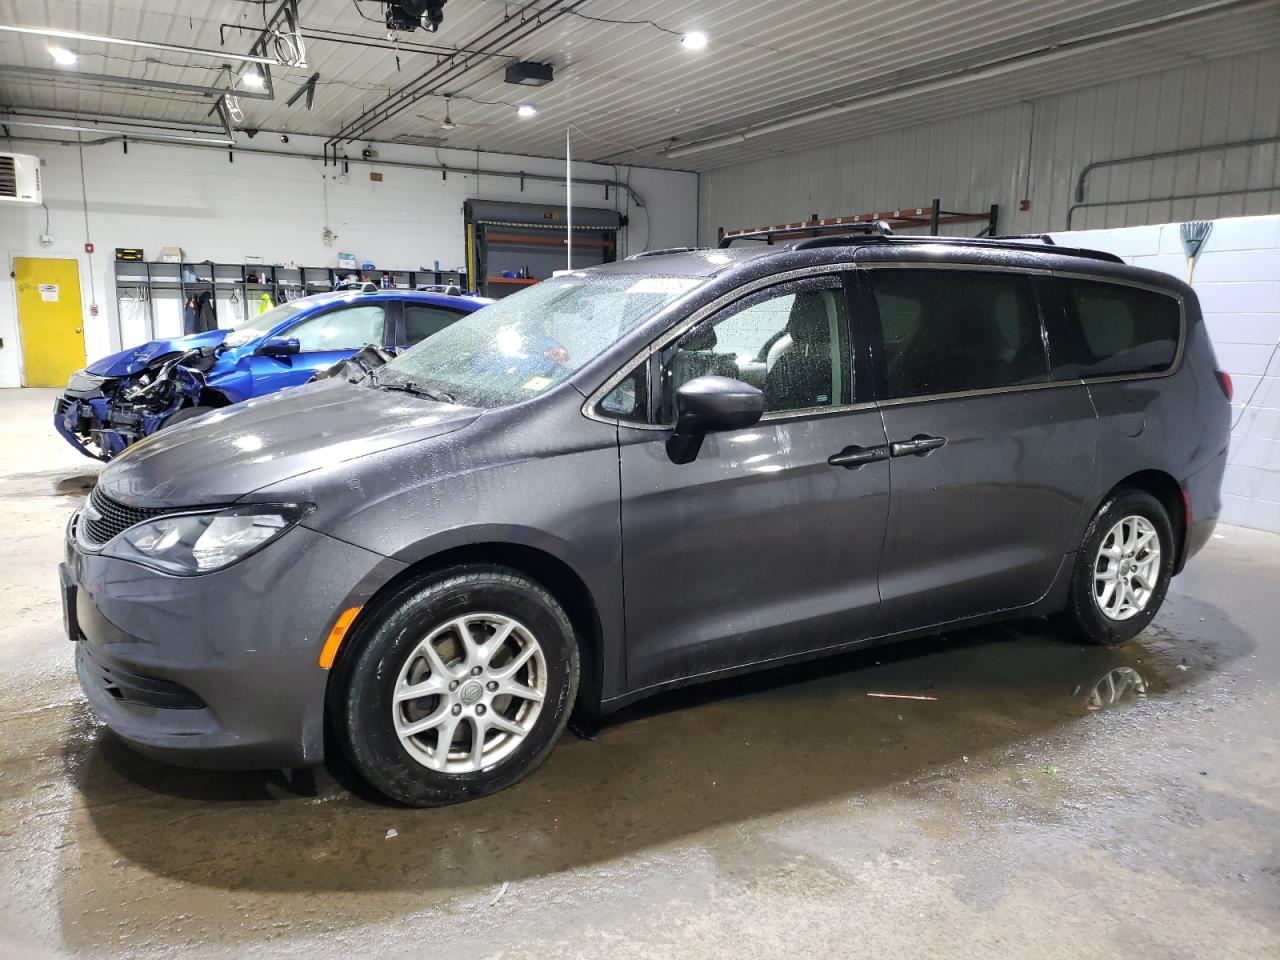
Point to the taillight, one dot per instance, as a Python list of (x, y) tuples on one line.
[(1224, 381)]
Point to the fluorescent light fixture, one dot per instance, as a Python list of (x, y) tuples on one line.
[(63, 56), (252, 78), (526, 110), (694, 40)]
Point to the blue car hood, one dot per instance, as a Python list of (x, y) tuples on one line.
[(136, 359)]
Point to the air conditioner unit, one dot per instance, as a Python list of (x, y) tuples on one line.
[(19, 178)]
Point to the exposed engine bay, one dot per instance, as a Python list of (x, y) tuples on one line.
[(107, 414)]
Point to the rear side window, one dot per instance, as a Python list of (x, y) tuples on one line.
[(1112, 329), (947, 331), (422, 321)]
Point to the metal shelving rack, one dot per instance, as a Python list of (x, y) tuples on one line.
[(933, 216), (251, 280)]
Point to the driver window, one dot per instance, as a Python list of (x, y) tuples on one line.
[(789, 341), (348, 328)]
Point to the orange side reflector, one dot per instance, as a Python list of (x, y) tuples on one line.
[(330, 651)]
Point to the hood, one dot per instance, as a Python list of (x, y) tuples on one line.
[(136, 359), (221, 457)]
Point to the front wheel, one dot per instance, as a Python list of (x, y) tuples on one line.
[(461, 686), (186, 413), (1123, 569)]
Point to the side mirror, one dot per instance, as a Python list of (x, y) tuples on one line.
[(279, 347), (711, 405)]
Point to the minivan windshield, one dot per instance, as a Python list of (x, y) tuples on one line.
[(256, 326), (526, 343)]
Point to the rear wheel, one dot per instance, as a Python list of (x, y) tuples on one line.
[(1123, 569), (462, 685)]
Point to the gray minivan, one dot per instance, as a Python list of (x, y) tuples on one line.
[(642, 475)]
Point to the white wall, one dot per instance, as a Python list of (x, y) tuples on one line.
[(278, 207), (1237, 278), (1034, 151)]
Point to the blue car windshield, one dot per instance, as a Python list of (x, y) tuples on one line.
[(528, 342), (257, 325)]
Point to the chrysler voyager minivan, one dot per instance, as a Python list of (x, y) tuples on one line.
[(642, 475)]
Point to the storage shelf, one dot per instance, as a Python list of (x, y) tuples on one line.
[(165, 278), (516, 280)]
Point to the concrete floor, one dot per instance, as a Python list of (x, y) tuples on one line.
[(1021, 814)]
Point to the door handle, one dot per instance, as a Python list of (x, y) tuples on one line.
[(918, 446), (851, 458)]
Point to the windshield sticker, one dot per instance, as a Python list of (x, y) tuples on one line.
[(537, 383), (663, 285)]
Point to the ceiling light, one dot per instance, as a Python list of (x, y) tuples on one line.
[(252, 79), (694, 40), (526, 109), (63, 56)]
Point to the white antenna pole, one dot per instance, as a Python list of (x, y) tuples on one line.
[(568, 201)]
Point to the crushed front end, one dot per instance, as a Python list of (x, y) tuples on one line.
[(102, 415)]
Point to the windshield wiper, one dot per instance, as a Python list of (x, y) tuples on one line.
[(408, 386)]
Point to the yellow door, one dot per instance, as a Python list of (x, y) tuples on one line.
[(49, 319)]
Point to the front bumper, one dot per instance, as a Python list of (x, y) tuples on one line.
[(217, 670)]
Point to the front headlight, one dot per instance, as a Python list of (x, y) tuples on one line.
[(193, 543)]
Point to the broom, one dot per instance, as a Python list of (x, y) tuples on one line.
[(1194, 234)]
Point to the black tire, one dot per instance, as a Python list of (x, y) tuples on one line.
[(363, 710), (186, 413), (1083, 616)]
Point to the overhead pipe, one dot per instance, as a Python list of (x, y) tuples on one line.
[(198, 143), (119, 135), (1165, 155), (440, 74), (145, 44), (1058, 51), (1169, 199), (141, 83)]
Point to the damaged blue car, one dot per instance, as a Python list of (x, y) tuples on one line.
[(116, 401)]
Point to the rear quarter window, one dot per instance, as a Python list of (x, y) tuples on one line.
[(1111, 329)]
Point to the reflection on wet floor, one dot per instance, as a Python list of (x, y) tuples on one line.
[(49, 483), (1123, 685), (75, 486), (666, 771)]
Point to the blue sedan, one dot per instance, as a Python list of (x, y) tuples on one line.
[(126, 396)]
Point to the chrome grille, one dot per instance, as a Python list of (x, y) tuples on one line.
[(104, 517)]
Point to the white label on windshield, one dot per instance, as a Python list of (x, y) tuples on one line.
[(663, 285)]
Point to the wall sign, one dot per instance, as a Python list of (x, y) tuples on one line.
[(49, 292)]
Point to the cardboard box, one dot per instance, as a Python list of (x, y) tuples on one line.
[(172, 255)]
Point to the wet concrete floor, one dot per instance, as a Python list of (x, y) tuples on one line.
[(1053, 801)]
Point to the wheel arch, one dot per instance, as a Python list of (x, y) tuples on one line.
[(212, 397), (1165, 489), (544, 568)]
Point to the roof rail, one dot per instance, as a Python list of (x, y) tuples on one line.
[(977, 243), (660, 253), (858, 232), (1042, 237)]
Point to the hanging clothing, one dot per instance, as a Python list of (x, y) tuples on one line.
[(190, 317), (264, 302)]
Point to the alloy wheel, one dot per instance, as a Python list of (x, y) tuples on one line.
[(469, 693), (1127, 568)]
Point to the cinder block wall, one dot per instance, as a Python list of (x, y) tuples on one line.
[(1237, 278)]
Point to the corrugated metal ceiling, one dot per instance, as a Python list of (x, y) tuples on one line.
[(630, 90)]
